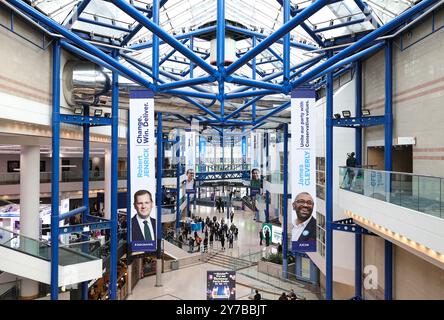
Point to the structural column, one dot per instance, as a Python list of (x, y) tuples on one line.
[(29, 210), (358, 151), (107, 195), (329, 190), (388, 139)]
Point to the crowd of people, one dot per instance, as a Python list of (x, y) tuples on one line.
[(212, 230)]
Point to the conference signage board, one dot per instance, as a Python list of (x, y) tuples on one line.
[(303, 178), (190, 161), (142, 171), (221, 285)]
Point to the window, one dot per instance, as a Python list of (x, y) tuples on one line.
[(320, 233), (320, 177)]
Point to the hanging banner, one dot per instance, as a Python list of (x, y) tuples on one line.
[(190, 161), (255, 158), (142, 172), (303, 179)]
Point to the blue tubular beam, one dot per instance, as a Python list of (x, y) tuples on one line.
[(406, 15), (253, 76), (254, 83), (178, 116), (246, 94), (268, 61), (55, 175), (75, 14), (323, 70), (251, 33), (202, 95), (329, 191), (220, 35), (85, 188), (340, 25), (286, 53), (304, 26), (388, 139), (278, 57), (358, 111), (313, 35), (277, 110), (169, 55), (311, 61), (368, 12), (298, 72), (179, 37), (137, 28), (114, 159), (285, 207), (358, 150), (103, 24), (287, 27), (358, 265), (159, 185), (178, 187), (166, 74), (80, 42), (73, 212), (132, 12), (155, 63), (191, 71), (388, 270), (185, 83)]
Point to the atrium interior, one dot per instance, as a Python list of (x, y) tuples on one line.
[(221, 150)]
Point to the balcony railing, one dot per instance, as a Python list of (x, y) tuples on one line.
[(417, 192)]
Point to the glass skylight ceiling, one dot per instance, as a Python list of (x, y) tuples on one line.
[(263, 16)]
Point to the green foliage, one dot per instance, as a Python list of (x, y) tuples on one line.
[(277, 258)]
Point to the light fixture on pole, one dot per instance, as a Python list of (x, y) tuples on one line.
[(365, 112), (346, 113)]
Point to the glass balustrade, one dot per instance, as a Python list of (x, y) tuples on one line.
[(66, 176), (68, 254), (417, 192)]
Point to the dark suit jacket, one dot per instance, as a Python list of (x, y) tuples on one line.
[(136, 233), (311, 228)]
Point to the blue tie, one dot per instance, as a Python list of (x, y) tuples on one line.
[(147, 231)]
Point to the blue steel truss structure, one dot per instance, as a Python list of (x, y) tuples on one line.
[(318, 70)]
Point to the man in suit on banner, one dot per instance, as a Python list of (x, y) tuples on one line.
[(304, 224), (142, 225)]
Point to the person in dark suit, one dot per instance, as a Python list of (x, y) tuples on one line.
[(304, 224), (142, 225)]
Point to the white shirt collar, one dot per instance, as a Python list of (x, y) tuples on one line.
[(142, 226)]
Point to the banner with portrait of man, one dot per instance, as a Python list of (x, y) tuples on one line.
[(303, 179), (142, 171), (190, 161)]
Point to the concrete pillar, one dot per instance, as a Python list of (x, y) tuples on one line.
[(29, 209), (107, 211)]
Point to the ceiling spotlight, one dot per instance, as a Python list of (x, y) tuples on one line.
[(346, 113), (337, 116), (365, 112), (98, 112), (78, 110)]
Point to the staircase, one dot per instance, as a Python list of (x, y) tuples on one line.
[(229, 262)]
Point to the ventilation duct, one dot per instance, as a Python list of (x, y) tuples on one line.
[(84, 82)]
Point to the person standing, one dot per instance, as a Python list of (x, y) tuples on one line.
[(261, 236), (222, 239), (267, 237), (257, 296), (232, 215)]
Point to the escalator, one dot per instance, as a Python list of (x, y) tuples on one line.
[(31, 259)]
